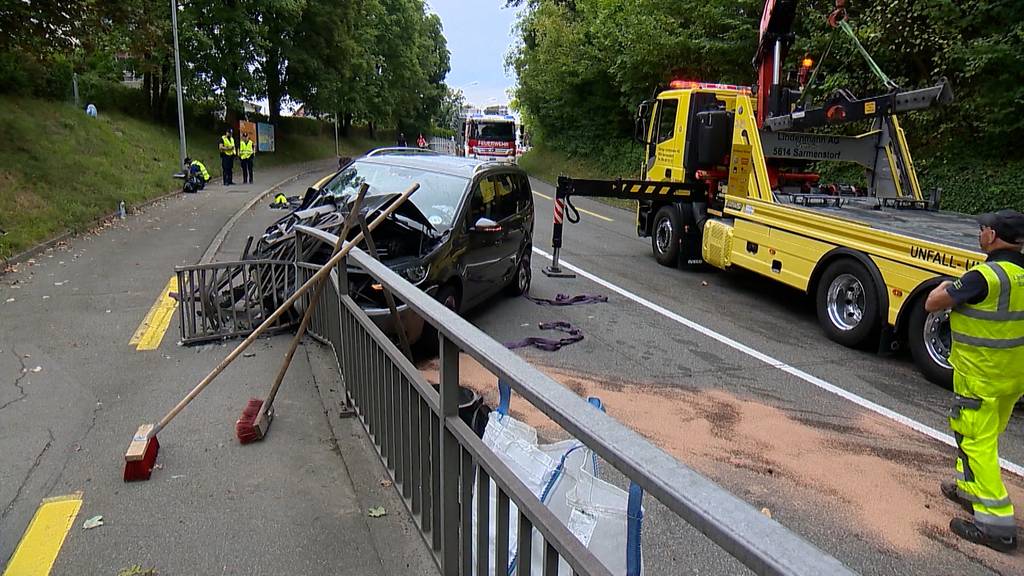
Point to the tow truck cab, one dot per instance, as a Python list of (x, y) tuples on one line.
[(687, 133)]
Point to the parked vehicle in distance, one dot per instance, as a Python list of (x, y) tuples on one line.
[(464, 236), (490, 136)]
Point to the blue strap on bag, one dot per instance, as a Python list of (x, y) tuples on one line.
[(634, 524), (504, 397)]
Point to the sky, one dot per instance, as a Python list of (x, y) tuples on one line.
[(479, 34)]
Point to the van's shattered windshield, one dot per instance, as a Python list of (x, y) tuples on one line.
[(437, 198)]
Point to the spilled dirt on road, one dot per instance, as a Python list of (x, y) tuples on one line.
[(878, 477)]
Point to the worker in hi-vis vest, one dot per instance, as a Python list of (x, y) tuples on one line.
[(196, 175), (245, 152), (987, 325), (227, 156)]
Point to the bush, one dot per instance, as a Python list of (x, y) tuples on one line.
[(23, 74), (972, 180), (304, 127), (107, 95)]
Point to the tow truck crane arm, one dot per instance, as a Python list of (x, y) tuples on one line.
[(845, 107), (773, 99), (774, 40)]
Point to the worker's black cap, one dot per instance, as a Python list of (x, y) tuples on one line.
[(1008, 224)]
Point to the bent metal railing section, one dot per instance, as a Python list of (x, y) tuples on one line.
[(228, 299), (436, 460)]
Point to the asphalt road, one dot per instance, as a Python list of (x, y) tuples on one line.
[(288, 505), (858, 484)]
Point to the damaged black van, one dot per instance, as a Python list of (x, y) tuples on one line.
[(464, 236)]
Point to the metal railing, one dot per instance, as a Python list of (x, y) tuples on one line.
[(443, 145), (228, 299), (437, 461)]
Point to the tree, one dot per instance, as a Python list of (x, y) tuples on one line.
[(277, 26), (583, 65), (220, 42)]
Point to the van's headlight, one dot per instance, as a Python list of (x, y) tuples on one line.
[(415, 273)]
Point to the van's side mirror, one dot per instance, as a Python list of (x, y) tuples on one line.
[(486, 225)]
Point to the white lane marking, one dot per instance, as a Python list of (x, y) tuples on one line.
[(594, 214), (779, 364)]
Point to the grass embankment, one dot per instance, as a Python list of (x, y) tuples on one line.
[(548, 164), (60, 170), (973, 179)]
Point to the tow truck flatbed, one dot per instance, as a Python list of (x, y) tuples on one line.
[(933, 226)]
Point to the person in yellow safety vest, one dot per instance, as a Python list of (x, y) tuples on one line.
[(245, 152), (227, 156), (987, 325), (196, 175), (280, 201)]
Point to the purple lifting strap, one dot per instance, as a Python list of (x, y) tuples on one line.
[(566, 300), (549, 344)]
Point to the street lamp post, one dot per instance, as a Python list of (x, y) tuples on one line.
[(178, 86)]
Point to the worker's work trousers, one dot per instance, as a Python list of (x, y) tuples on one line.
[(227, 166), (246, 170), (977, 423)]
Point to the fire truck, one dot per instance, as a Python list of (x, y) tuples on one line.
[(490, 136), (728, 180)]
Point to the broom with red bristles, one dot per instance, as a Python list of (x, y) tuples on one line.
[(257, 415), (143, 449)]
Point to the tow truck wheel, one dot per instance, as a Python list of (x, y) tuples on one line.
[(665, 236), (847, 303), (930, 340)]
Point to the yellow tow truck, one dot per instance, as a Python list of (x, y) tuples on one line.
[(727, 181)]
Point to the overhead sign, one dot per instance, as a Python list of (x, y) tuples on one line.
[(265, 137)]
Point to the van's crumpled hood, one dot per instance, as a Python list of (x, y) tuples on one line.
[(405, 234)]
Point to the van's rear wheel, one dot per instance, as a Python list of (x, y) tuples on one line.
[(847, 303), (666, 234), (930, 342)]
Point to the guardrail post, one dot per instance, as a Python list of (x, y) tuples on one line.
[(342, 271), (345, 410), (450, 461)]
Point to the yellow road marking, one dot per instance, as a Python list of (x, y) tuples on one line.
[(594, 214), (44, 536), (151, 331)]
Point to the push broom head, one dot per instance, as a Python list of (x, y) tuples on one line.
[(141, 455), (248, 428)]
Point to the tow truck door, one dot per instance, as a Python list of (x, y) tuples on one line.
[(665, 141)]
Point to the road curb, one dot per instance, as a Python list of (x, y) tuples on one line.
[(222, 234)]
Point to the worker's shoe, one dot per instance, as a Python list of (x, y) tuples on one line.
[(949, 490), (969, 531)]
